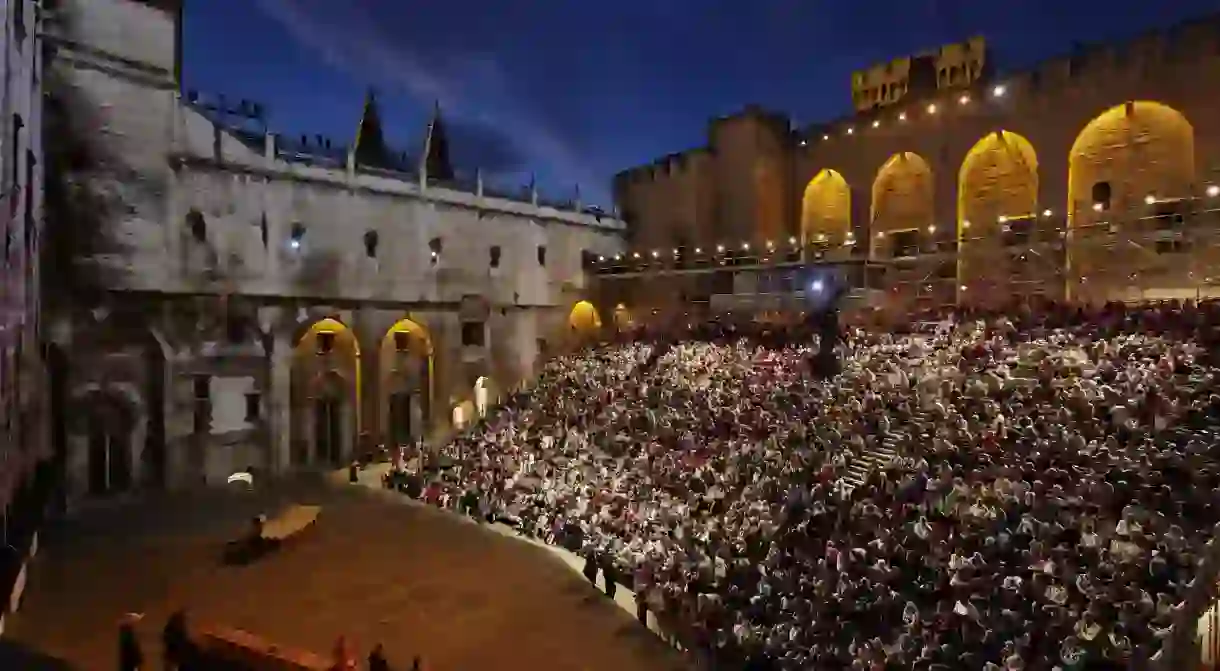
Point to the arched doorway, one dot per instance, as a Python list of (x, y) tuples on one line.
[(902, 199), (826, 209), (407, 379), (58, 399), (330, 411), (325, 395), (901, 227), (1127, 167), (624, 320), (997, 190), (106, 442)]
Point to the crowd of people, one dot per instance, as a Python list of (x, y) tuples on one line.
[(1039, 489)]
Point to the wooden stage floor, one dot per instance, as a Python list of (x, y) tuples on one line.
[(416, 580)]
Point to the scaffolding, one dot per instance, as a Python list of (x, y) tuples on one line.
[(1158, 250)]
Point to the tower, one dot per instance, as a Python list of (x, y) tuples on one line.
[(435, 158), (370, 148)]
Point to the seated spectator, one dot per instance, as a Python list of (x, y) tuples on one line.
[(1030, 490)]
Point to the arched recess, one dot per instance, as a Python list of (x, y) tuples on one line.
[(584, 321), (998, 178), (623, 318), (826, 208), (326, 389), (407, 372), (1137, 149), (902, 197), (106, 439), (112, 361)]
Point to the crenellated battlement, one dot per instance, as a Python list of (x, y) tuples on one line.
[(1190, 46), (1120, 127)]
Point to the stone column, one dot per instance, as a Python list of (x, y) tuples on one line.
[(279, 390), (364, 324)]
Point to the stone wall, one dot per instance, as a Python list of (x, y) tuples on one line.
[(1137, 116), (253, 287)]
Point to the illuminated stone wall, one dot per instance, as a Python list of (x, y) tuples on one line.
[(1015, 158), (233, 257)]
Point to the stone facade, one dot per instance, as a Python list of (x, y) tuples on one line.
[(1091, 177), (23, 440), (271, 308)]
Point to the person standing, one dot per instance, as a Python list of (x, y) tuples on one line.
[(610, 576), (131, 656), (377, 660), (176, 643), (590, 570)]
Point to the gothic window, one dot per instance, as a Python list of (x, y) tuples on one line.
[(15, 152), (202, 398), (197, 225), (326, 342), (253, 406), (473, 334), (493, 256), (262, 229), (1018, 232), (31, 223), (434, 245), (542, 255), (296, 234), (370, 244), (904, 243), (1102, 193), (19, 19), (235, 328)]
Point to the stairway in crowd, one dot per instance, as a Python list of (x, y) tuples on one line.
[(871, 459), (659, 350)]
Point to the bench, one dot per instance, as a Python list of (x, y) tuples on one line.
[(224, 647), (292, 521), (267, 535)]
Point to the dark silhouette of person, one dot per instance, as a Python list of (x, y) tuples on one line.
[(610, 576), (417, 664), (176, 643), (377, 661), (131, 657), (590, 570), (641, 608)]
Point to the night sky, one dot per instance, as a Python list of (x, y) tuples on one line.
[(576, 90)]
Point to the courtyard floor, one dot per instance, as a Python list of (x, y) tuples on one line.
[(418, 581)]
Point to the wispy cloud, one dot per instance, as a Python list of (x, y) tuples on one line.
[(472, 88)]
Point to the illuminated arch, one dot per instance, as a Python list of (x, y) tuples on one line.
[(314, 375), (1139, 148), (902, 197), (584, 319), (826, 207), (420, 347), (998, 178), (417, 335), (343, 335)]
